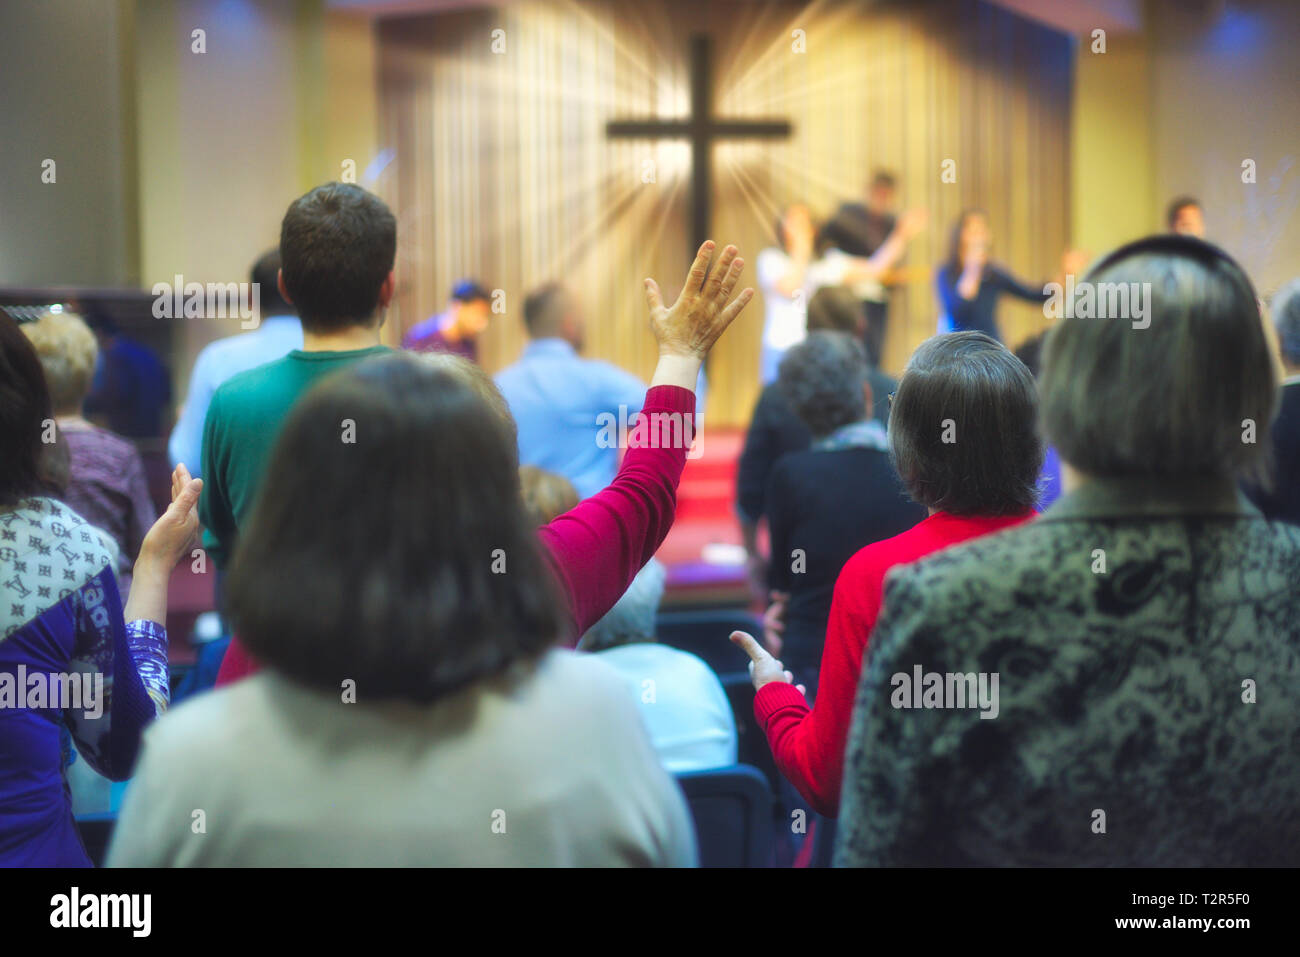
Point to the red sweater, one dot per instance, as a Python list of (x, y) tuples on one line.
[(808, 743), (597, 547)]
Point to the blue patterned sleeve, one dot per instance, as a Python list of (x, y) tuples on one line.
[(129, 663)]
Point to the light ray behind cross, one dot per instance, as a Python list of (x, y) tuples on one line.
[(701, 128)]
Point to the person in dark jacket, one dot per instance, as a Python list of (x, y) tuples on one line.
[(775, 429)]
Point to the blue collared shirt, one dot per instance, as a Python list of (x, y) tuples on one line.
[(275, 338), (556, 396)]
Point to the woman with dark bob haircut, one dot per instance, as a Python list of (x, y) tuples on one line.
[(962, 432), (415, 707), (70, 655), (1128, 628)]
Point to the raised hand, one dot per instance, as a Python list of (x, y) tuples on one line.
[(171, 536), (763, 668), (689, 328)]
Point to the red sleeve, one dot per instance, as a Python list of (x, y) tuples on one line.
[(808, 744), (597, 547)]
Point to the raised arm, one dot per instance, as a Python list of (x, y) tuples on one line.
[(132, 655), (597, 548), (890, 251)]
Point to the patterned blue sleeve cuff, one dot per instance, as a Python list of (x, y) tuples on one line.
[(147, 642)]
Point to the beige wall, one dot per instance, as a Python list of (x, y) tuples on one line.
[(65, 95), (1176, 109), (1225, 90), (1112, 182), (229, 137)]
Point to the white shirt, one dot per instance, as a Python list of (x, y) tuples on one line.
[(786, 322), (682, 702), (548, 767)]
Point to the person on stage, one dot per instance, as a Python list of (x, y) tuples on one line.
[(789, 276), (969, 284), (860, 229), (1186, 217)]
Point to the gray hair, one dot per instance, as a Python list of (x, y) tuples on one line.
[(1286, 317), (822, 379), (632, 619), (1174, 398)]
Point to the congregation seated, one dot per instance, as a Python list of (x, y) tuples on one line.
[(970, 489), (681, 699), (106, 479), (1142, 632), (826, 503), (71, 657)]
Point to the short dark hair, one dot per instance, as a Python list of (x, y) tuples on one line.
[(337, 245), (1177, 206), (29, 466), (265, 273), (538, 307), (404, 591), (821, 379), (884, 178), (963, 427), (1170, 399)]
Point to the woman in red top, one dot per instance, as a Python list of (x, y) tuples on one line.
[(960, 384)]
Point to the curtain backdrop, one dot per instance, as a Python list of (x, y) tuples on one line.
[(501, 168)]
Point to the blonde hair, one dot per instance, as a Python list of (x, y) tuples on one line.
[(547, 496), (67, 350)]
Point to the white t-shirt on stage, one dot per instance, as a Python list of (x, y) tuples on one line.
[(786, 322)]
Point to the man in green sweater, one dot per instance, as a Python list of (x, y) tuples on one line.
[(337, 247)]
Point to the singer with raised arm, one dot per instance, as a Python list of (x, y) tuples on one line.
[(969, 284)]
